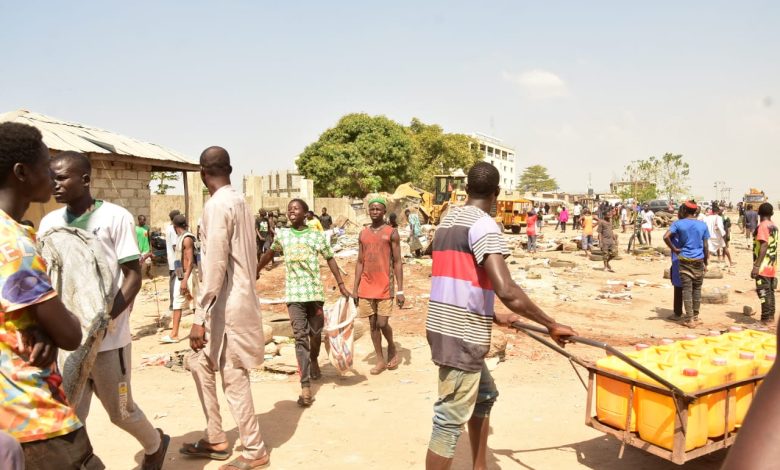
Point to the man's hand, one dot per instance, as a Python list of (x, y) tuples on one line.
[(754, 272), (560, 333), (344, 291), (41, 349), (400, 300), (198, 337), (676, 250)]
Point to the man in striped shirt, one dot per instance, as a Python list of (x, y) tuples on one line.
[(468, 267)]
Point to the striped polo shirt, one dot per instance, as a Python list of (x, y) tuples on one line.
[(460, 309)]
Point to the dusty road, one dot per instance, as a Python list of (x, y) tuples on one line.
[(364, 421)]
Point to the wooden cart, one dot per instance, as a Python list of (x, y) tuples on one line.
[(678, 454)]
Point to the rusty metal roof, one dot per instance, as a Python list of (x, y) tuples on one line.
[(70, 136)]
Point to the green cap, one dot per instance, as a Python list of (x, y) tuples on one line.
[(378, 200)]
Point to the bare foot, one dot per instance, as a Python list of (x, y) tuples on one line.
[(379, 368)]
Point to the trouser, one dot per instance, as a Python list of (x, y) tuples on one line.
[(678, 301), (765, 288), (575, 222), (71, 451), (563, 226), (462, 396), (238, 394), (531, 242), (171, 281), (110, 381), (307, 322), (11, 454), (692, 276)]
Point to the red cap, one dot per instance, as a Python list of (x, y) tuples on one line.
[(690, 372), (719, 361), (667, 341), (691, 205)]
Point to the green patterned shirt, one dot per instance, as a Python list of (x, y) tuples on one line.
[(300, 248)]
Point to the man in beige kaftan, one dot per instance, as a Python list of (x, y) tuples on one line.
[(227, 334)]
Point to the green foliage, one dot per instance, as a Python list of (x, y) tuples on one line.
[(669, 174), (162, 178), (361, 154), (536, 179), (438, 153)]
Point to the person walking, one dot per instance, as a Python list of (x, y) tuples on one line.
[(607, 240), (530, 230), (304, 291), (40, 429), (693, 255), (586, 241), (114, 229), (563, 217), (325, 219), (647, 224), (415, 232), (765, 263), (623, 217), (576, 214), (751, 222), (186, 286), (379, 267), (715, 227), (469, 254), (227, 333), (170, 242)]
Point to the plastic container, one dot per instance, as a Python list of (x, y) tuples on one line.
[(746, 367), (656, 411), (715, 372), (763, 365), (660, 353), (690, 346), (612, 395)]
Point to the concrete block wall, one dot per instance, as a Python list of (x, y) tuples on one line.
[(123, 183)]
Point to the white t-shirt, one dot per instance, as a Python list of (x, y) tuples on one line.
[(577, 209), (624, 215), (170, 243), (647, 219), (114, 228)]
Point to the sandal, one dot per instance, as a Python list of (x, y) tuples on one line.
[(305, 399), (199, 449), (168, 340), (393, 364), (243, 465), (155, 461)]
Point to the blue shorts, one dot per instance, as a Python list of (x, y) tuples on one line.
[(587, 241)]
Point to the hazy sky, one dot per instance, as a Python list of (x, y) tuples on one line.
[(580, 87)]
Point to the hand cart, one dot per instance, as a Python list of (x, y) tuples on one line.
[(678, 454)]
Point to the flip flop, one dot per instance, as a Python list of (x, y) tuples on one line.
[(168, 340), (241, 465), (198, 450), (393, 364)]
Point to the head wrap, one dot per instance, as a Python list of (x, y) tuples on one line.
[(691, 205), (378, 200)]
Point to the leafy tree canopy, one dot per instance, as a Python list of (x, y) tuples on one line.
[(669, 173), (361, 154), (535, 178), (437, 152)]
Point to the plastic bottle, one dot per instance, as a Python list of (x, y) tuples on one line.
[(656, 411), (763, 365)]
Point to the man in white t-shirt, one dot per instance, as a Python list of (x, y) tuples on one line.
[(114, 228), (171, 238), (576, 213), (647, 224)]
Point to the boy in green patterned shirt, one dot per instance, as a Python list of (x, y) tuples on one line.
[(303, 288)]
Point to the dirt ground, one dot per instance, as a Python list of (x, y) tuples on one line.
[(364, 421)]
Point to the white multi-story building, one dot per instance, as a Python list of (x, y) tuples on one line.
[(500, 156)]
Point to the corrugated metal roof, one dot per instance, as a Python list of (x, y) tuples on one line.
[(64, 136)]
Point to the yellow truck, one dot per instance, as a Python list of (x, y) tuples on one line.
[(511, 212)]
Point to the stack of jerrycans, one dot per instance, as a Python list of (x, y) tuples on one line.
[(693, 364)]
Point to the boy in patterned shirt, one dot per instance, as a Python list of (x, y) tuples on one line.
[(765, 263), (33, 320), (303, 288)]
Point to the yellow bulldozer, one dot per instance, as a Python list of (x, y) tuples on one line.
[(449, 191)]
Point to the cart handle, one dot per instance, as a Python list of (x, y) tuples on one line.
[(525, 327)]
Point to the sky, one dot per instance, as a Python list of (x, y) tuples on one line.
[(582, 88)]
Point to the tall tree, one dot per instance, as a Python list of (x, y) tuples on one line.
[(437, 152), (669, 174), (162, 178), (361, 154), (535, 178), (643, 178)]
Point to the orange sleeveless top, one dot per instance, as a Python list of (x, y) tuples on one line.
[(376, 280)]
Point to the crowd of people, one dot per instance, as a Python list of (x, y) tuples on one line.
[(214, 271)]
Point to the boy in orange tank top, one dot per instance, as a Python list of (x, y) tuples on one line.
[(379, 258)]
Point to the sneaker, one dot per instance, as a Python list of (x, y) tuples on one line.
[(305, 399), (155, 461)]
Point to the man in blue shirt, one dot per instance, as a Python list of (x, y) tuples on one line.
[(691, 236)]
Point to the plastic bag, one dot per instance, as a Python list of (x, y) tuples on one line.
[(339, 329)]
